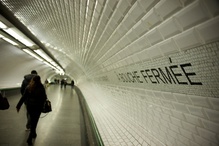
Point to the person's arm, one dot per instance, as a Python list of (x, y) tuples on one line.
[(21, 101), (23, 86), (44, 94)]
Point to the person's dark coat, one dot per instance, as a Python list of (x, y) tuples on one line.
[(26, 81), (35, 99)]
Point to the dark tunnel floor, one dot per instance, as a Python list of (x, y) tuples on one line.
[(61, 127)]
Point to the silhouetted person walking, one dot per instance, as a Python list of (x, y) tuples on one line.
[(72, 83), (35, 96), (26, 81)]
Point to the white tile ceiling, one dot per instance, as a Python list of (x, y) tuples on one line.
[(96, 35)]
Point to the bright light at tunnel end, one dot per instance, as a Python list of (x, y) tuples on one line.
[(61, 72)]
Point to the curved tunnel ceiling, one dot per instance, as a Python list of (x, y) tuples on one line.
[(68, 29), (88, 37)]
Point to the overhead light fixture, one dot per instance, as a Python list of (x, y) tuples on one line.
[(60, 70), (1, 36), (53, 63), (49, 64), (49, 61), (43, 55), (2, 25), (32, 54), (19, 36), (10, 41)]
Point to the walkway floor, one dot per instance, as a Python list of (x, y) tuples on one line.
[(61, 127)]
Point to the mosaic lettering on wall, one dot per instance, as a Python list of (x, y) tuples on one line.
[(194, 71), (167, 75)]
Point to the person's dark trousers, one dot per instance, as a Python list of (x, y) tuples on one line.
[(28, 125), (34, 115)]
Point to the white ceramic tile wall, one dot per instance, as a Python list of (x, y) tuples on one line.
[(151, 117), (153, 64), (157, 114)]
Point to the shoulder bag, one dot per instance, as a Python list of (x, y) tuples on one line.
[(4, 104), (47, 107)]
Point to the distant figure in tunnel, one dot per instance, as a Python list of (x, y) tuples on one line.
[(35, 96), (26, 81), (62, 83), (46, 83), (72, 83), (65, 83)]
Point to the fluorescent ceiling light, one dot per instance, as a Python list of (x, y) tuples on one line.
[(53, 63), (2, 25), (19, 36), (49, 64), (61, 72), (10, 41), (32, 54), (1, 36), (43, 55), (59, 67)]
